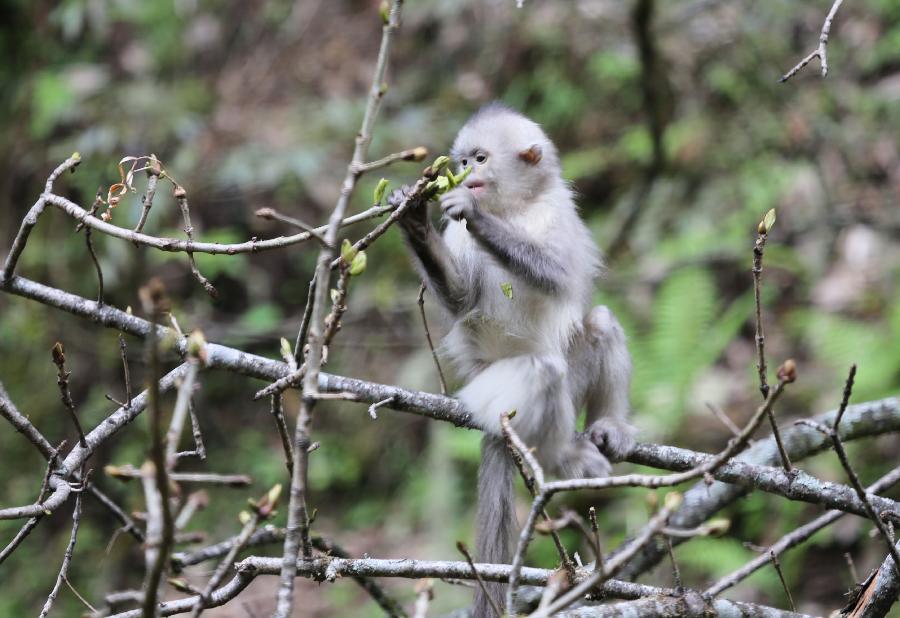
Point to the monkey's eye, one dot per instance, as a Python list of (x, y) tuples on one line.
[(465, 162), (481, 158)]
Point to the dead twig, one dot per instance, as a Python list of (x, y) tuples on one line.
[(420, 299), (465, 552), (820, 51), (62, 380)]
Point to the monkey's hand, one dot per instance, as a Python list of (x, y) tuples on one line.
[(614, 437), (415, 220), (460, 203)]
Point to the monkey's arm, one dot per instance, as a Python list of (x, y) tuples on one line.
[(437, 266), (523, 256)]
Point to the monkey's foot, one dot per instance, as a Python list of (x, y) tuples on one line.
[(584, 461), (614, 438)]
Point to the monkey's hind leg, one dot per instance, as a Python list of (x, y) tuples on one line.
[(600, 372)]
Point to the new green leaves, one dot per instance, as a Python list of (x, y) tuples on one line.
[(380, 190), (768, 222), (442, 184), (355, 258)]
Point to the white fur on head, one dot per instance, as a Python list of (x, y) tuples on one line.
[(504, 135)]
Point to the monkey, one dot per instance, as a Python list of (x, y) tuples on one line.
[(513, 272)]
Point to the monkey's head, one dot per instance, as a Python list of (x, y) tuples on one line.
[(512, 159)]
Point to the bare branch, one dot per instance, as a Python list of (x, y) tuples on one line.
[(181, 198), (298, 522), (67, 557), (277, 410), (153, 171), (32, 217), (273, 215), (465, 552), (154, 473), (411, 154), (820, 51), (420, 299), (62, 380), (128, 472)]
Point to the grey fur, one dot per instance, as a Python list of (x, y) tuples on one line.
[(496, 515), (515, 227)]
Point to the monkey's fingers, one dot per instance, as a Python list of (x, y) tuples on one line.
[(398, 196)]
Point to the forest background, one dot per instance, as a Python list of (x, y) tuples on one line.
[(674, 131)]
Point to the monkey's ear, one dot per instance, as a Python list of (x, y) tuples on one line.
[(532, 156)]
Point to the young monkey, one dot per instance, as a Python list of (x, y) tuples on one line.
[(514, 272)]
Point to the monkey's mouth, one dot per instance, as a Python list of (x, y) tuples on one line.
[(476, 186)]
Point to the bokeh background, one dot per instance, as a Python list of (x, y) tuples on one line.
[(675, 134)]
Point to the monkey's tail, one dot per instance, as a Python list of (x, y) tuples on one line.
[(496, 518)]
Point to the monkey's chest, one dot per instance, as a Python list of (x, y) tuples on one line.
[(510, 319)]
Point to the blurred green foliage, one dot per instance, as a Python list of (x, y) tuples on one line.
[(257, 104)]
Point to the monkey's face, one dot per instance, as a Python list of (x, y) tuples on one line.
[(481, 180), (512, 160)]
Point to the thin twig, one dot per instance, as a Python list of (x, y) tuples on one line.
[(465, 552), (774, 558), (595, 530), (277, 409), (758, 247), (782, 452), (67, 557), (719, 414), (223, 566), (420, 299), (153, 171), (181, 198), (411, 154), (280, 385), (271, 214), (854, 478), (676, 572), (854, 575), (303, 331), (760, 337), (128, 472), (196, 501), (90, 245), (338, 308), (820, 51), (123, 352), (199, 446), (79, 595), (374, 407), (180, 414), (62, 380), (571, 519), (128, 524), (845, 397)]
